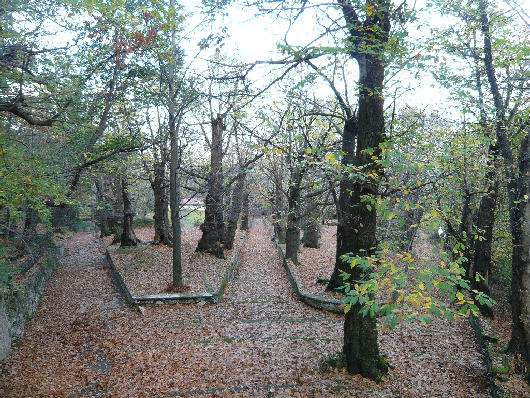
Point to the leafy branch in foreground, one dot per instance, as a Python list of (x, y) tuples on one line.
[(398, 290)]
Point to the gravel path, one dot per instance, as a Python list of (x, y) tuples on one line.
[(259, 341)]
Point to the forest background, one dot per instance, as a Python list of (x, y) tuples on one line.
[(392, 119)]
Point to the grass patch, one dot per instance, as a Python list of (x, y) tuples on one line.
[(192, 218)]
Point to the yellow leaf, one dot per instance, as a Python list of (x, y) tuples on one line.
[(330, 157), (421, 286)]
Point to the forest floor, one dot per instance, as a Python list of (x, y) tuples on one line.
[(259, 341), (145, 268)]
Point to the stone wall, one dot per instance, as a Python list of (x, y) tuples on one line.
[(19, 306)]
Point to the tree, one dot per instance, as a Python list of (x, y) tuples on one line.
[(518, 177), (235, 210), (174, 188), (213, 226), (362, 139), (128, 237)]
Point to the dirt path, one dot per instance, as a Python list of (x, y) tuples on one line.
[(260, 341)]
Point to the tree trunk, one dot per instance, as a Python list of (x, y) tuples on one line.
[(484, 224), (518, 186), (292, 237), (312, 225), (174, 183), (245, 211), (465, 235), (128, 237), (213, 226), (101, 210), (277, 217), (520, 300), (363, 134), (30, 229), (159, 186), (235, 210)]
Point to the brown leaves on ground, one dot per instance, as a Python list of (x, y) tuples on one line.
[(259, 341), (147, 269), (316, 265)]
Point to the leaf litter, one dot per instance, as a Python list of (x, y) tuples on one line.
[(259, 341), (146, 268)]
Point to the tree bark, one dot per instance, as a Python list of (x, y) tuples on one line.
[(363, 133), (518, 187), (520, 300), (245, 212), (31, 221), (235, 211), (213, 226), (486, 211), (102, 213), (484, 224), (128, 237), (465, 234), (312, 225), (159, 186), (174, 183), (277, 217), (292, 237)]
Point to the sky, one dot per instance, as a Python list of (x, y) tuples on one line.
[(250, 39)]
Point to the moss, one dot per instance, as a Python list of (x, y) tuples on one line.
[(501, 370), (335, 360)]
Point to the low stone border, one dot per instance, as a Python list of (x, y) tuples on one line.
[(476, 325), (176, 298), (318, 302), (18, 307)]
